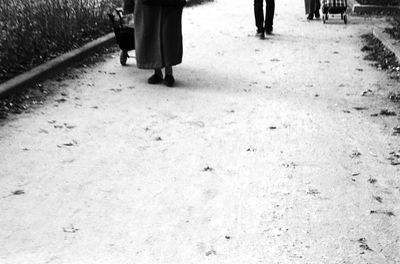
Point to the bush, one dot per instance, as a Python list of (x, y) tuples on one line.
[(34, 31)]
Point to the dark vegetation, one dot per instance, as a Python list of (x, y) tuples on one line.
[(379, 2), (32, 32), (383, 59), (394, 31)]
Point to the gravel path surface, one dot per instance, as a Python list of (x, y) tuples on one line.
[(265, 152)]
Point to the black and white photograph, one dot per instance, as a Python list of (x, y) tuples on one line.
[(200, 132)]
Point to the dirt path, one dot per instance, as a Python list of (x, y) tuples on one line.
[(257, 156)]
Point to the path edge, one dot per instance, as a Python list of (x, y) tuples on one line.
[(55, 65), (390, 43)]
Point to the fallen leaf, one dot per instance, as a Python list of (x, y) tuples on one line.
[(208, 168), (367, 92), (70, 229), (211, 252), (355, 154), (18, 192), (387, 112), (372, 180), (378, 198), (388, 213), (360, 108)]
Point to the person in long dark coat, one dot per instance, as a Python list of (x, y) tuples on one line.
[(158, 40), (312, 8)]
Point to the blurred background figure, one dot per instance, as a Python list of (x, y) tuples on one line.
[(312, 9)]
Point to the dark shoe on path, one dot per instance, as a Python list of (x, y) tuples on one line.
[(169, 80), (154, 79), (268, 31), (317, 15), (260, 35), (310, 17)]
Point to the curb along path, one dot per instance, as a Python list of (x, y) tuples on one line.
[(390, 43), (54, 65)]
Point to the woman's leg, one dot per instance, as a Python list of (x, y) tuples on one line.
[(157, 77), (168, 70), (169, 77)]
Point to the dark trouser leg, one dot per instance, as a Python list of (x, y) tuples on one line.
[(259, 15), (269, 15), (317, 7), (129, 6)]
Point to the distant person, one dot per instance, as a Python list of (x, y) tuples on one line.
[(312, 9), (129, 6), (264, 25), (158, 37)]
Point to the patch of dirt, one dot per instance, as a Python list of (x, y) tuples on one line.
[(35, 95)]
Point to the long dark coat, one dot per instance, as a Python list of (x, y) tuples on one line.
[(158, 35), (311, 6)]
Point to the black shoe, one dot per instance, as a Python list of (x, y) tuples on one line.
[(310, 17), (317, 15), (154, 79), (169, 80), (260, 34), (268, 31)]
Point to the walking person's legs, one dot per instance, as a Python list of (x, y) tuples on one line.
[(317, 7), (269, 16), (259, 17)]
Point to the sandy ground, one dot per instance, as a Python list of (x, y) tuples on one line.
[(257, 156)]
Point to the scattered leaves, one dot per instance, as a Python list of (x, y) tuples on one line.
[(372, 180), (355, 154), (364, 245), (388, 213)]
